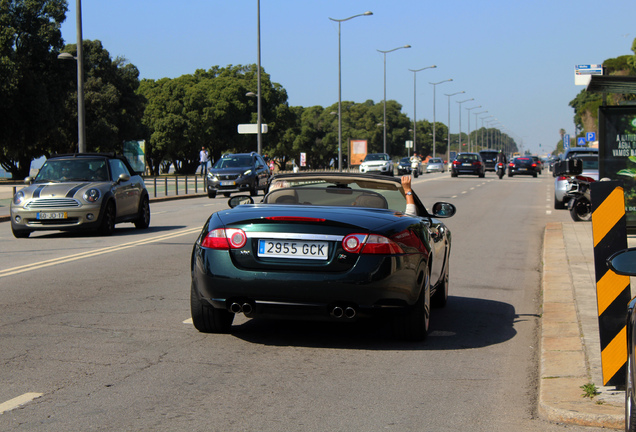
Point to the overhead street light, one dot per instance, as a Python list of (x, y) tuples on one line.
[(415, 105), (434, 87), (470, 148), (448, 138), (459, 144), (476, 118), (339, 21), (81, 123), (385, 52)]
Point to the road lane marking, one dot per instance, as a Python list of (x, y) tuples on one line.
[(188, 321), (16, 402), (82, 255)]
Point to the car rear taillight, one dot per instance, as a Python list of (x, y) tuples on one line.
[(456, 163), (478, 163), (370, 244), (561, 178), (225, 239), (534, 165), (586, 179)]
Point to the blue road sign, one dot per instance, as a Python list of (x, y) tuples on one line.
[(566, 141), (580, 141), (590, 136)]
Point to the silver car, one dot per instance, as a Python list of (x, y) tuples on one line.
[(377, 163), (590, 170), (82, 191), (435, 165)]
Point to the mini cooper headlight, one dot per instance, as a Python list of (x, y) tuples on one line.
[(92, 195), (18, 198)]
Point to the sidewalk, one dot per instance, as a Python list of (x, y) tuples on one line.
[(570, 345)]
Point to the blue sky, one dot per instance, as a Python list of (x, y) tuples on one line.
[(515, 58)]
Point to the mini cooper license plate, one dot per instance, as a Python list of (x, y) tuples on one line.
[(293, 249), (55, 215)]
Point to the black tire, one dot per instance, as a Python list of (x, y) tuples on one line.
[(207, 319), (500, 175), (253, 190), (581, 210), (630, 406), (453, 174), (413, 324), (20, 233), (226, 194), (211, 193), (482, 175), (558, 205), (510, 174), (534, 175), (440, 298), (107, 225), (143, 219)]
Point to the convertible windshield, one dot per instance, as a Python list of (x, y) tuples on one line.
[(60, 170)]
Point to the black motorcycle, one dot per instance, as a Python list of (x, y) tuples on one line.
[(501, 169)]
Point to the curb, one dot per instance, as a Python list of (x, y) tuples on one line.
[(563, 367)]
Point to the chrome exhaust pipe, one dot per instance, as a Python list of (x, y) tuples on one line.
[(247, 308), (236, 308), (337, 312), (349, 312)]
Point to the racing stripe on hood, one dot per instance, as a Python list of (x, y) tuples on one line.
[(75, 189), (37, 191)]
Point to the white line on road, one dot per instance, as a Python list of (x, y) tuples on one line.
[(16, 402)]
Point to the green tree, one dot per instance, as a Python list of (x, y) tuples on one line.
[(31, 102)]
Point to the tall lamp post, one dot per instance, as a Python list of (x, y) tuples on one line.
[(81, 123), (470, 147), (482, 131), (434, 87), (476, 129), (459, 144), (448, 139), (339, 21), (385, 52), (415, 105), (259, 134)]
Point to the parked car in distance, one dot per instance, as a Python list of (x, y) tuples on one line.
[(240, 172), (623, 263), (377, 163), (328, 246), (435, 165), (589, 173), (81, 191), (404, 166), (490, 159), (523, 165), (468, 163)]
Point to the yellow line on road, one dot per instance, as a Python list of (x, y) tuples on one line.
[(82, 255)]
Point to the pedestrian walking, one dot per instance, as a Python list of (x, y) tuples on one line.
[(204, 157)]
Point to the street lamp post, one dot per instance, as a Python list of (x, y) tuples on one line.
[(476, 129), (339, 21), (482, 131), (470, 148), (434, 87), (81, 123), (385, 52), (459, 143), (259, 134), (448, 139), (415, 105)]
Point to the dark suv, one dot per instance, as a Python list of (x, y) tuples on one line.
[(239, 172), (468, 163), (490, 159)]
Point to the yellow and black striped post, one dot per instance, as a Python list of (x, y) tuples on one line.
[(609, 229)]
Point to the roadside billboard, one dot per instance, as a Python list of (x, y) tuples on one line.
[(135, 152), (617, 153), (357, 150)]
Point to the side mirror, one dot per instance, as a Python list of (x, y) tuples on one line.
[(28, 180), (444, 210), (623, 262), (239, 199), (123, 178)]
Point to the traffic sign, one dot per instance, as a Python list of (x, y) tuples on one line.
[(580, 141), (590, 136), (566, 141), (251, 128)]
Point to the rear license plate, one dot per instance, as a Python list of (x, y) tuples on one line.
[(228, 183), (315, 250), (56, 215), (467, 164), (523, 169)]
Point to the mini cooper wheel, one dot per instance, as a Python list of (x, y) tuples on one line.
[(143, 220), (107, 226), (207, 319), (413, 324)]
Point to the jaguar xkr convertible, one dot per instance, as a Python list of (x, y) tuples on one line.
[(331, 246)]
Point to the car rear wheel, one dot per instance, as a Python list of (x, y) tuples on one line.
[(207, 319), (413, 324), (107, 227), (143, 219)]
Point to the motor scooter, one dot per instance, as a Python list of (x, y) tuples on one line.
[(415, 168), (580, 203), (501, 169)]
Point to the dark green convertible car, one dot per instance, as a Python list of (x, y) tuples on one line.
[(331, 246)]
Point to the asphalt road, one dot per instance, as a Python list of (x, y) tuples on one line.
[(96, 331)]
